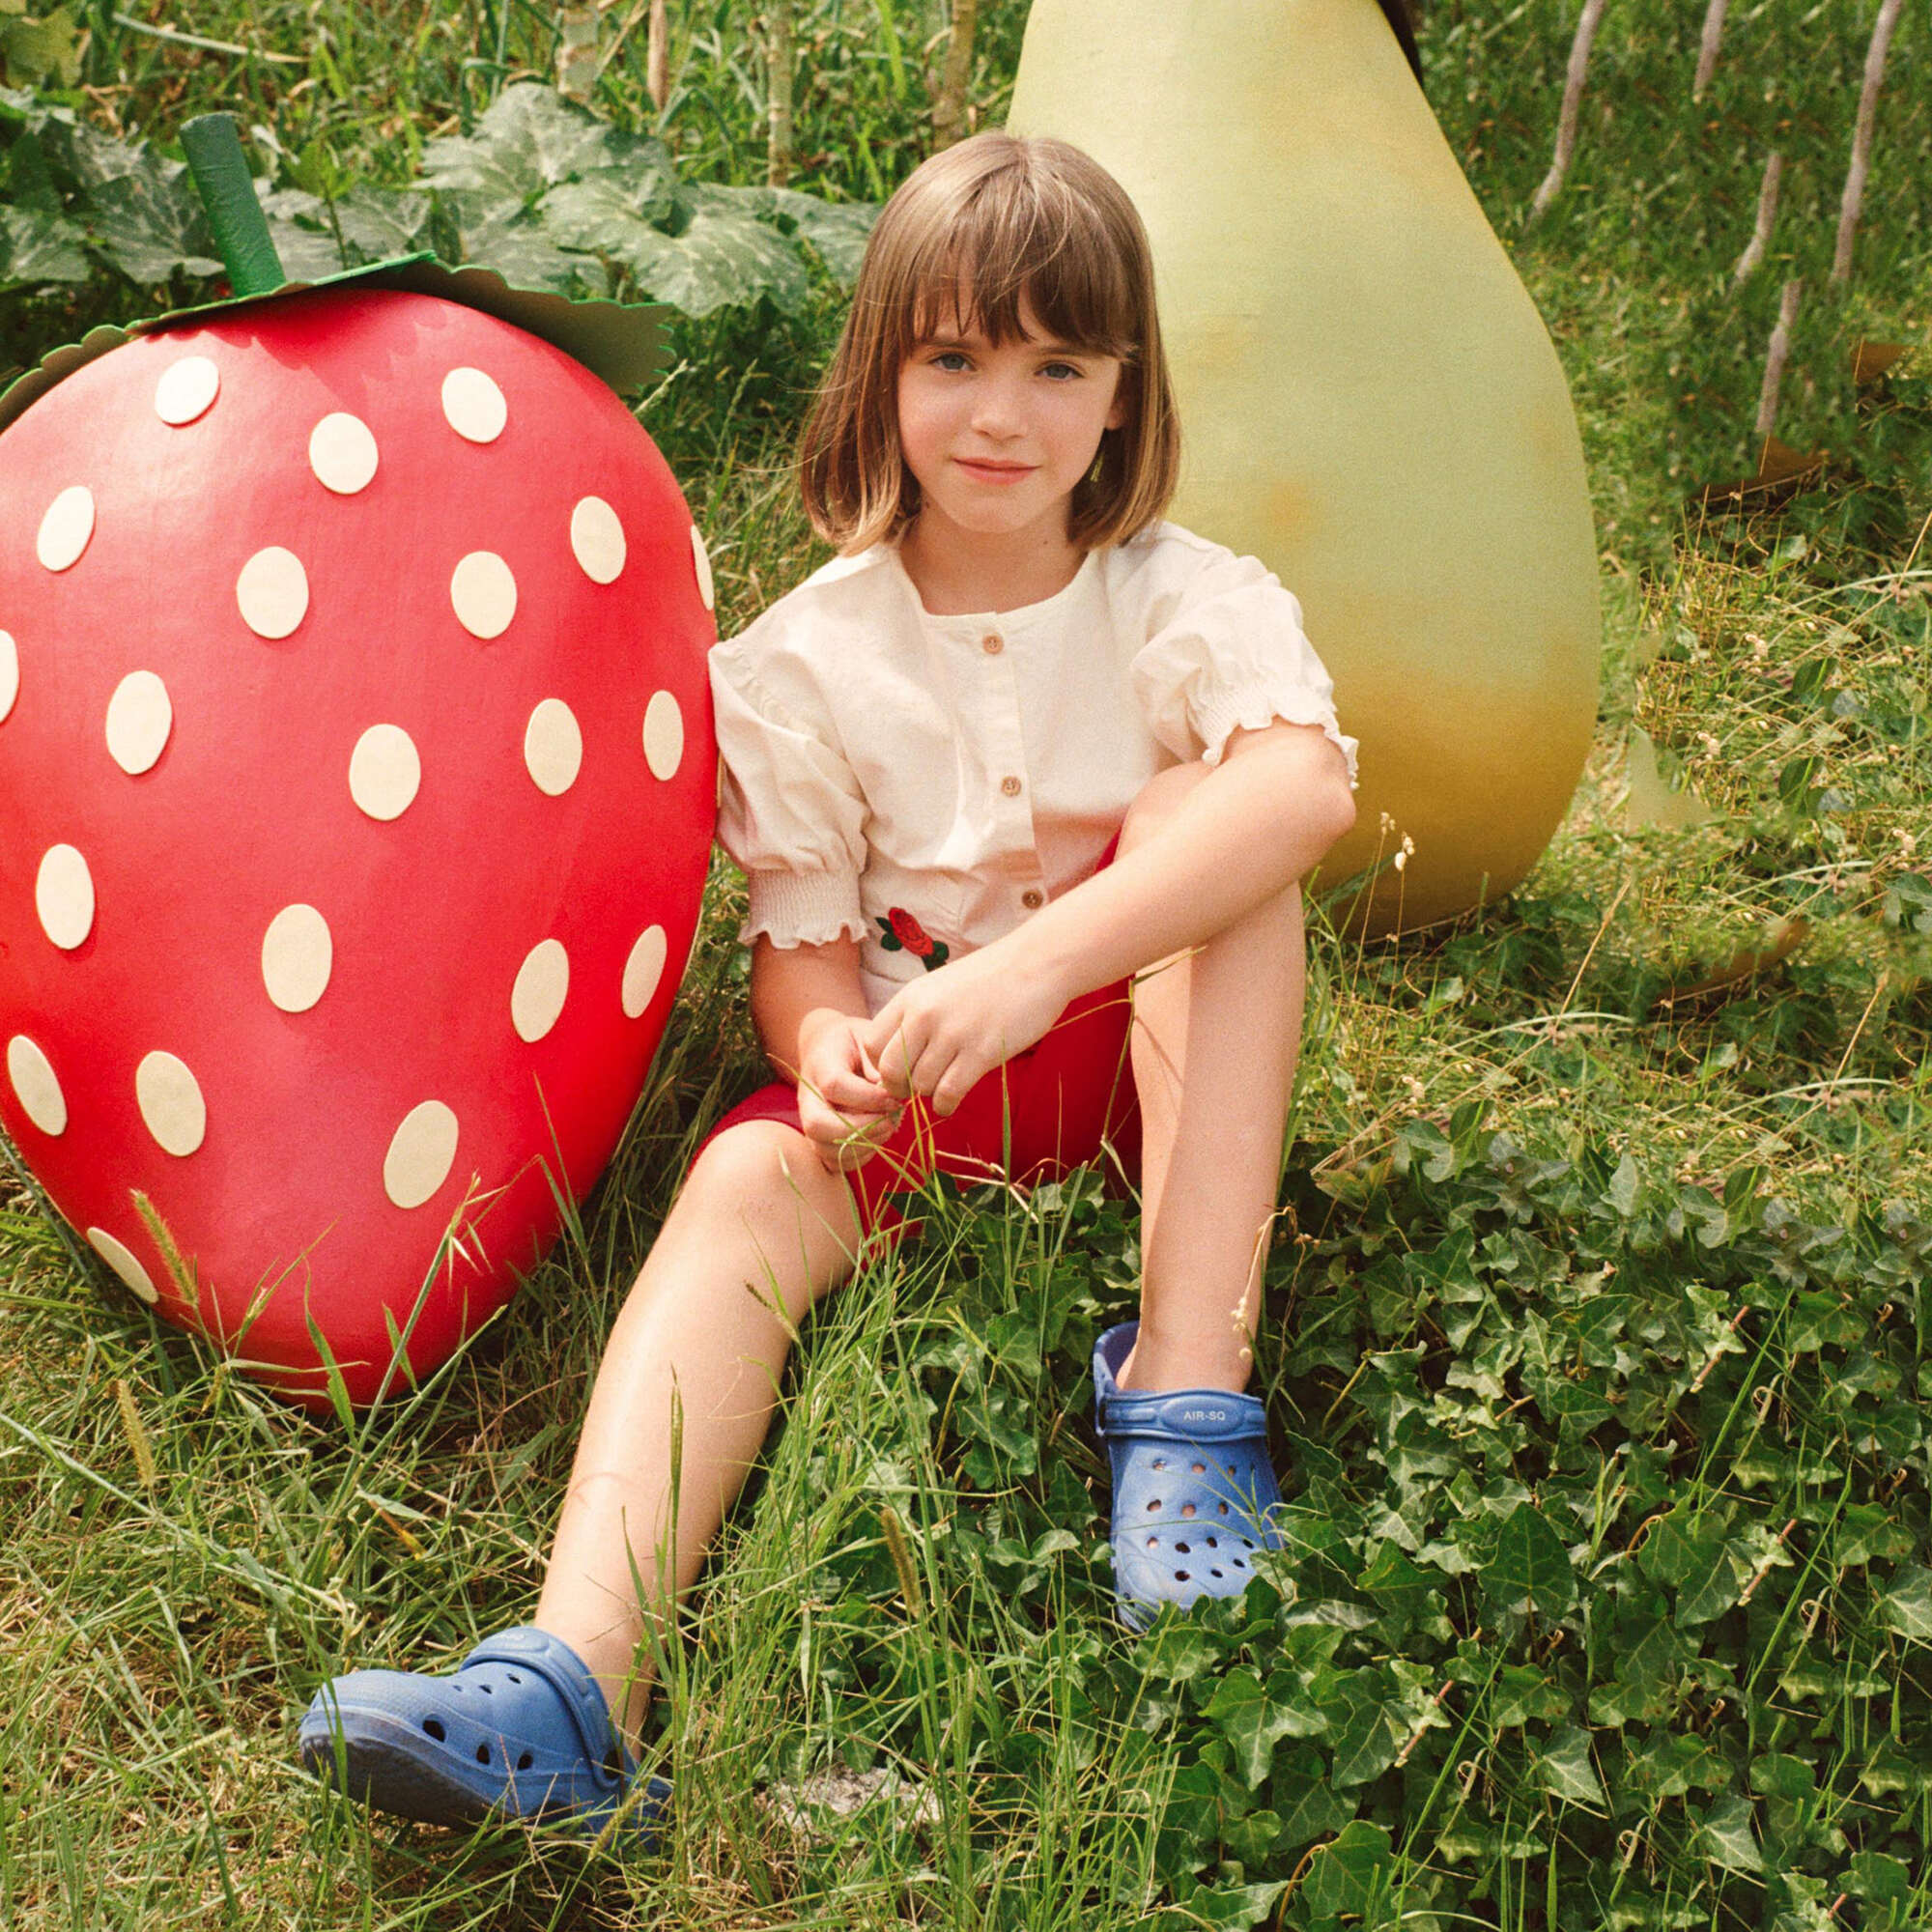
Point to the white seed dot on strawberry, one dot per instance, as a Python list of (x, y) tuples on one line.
[(663, 736), (543, 982), (298, 956), (36, 1085), (272, 592), (64, 896), (597, 540), (420, 1154), (140, 716), (342, 452), (385, 772), (67, 527), (483, 594), (10, 674), (643, 971), (171, 1103), (700, 559), (473, 406), (123, 1263), (554, 747), (186, 390)]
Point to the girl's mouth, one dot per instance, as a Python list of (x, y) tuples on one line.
[(994, 472)]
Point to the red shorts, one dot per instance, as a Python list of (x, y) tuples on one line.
[(1043, 1112)]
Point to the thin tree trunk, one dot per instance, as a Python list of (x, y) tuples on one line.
[(1707, 47), (1776, 358), (777, 82), (1861, 138), (1749, 262), (657, 56), (576, 52), (949, 103), (1573, 97)]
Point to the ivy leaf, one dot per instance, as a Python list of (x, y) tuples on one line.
[(1907, 1605), (1308, 1805), (1367, 1726), (39, 50), (1877, 1878), (1564, 1769), (37, 248), (1350, 1873), (1231, 1907), (1529, 1561), (1727, 1838), (1252, 1720)]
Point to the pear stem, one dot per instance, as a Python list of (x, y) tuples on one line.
[(221, 169)]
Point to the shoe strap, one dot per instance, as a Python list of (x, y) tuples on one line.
[(526, 1647), (1181, 1416)]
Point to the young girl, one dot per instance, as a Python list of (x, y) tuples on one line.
[(1023, 784)]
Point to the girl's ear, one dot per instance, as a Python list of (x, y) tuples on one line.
[(1121, 408)]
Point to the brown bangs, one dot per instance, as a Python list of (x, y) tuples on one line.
[(993, 226)]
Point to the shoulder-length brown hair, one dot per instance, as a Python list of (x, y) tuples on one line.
[(1008, 222)]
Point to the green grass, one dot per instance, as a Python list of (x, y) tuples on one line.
[(1612, 1199)]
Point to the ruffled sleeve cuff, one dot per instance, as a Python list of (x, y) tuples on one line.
[(1218, 714), (802, 908)]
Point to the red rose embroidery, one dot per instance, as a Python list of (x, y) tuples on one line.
[(900, 933)]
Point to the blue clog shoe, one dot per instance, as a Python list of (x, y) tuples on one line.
[(520, 1730), (1193, 1487)]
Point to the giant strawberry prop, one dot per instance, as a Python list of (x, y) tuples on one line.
[(358, 776)]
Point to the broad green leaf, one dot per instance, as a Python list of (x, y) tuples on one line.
[(1367, 1727), (1252, 1722), (720, 255), (299, 226), (1879, 1878), (1178, 1651), (611, 217), (1727, 1837), (43, 50), (149, 224), (1231, 1907), (1350, 1873), (1301, 1792), (524, 254), (1530, 1562), (1907, 1605), (529, 140), (1778, 1775), (37, 247), (1564, 1769)]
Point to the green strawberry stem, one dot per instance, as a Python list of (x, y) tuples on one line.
[(213, 150)]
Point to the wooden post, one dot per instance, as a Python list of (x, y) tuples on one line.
[(778, 88), (1573, 97), (955, 76), (657, 56), (1778, 354), (1750, 259), (1861, 138), (1707, 47)]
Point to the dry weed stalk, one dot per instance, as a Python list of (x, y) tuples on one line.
[(1752, 258), (949, 101), (779, 42), (1708, 46), (1573, 97), (1777, 356), (657, 55), (1861, 138)]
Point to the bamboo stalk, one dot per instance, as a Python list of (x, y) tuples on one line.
[(1573, 97), (1861, 138), (778, 40), (949, 102), (1752, 258), (1777, 356), (1708, 46), (576, 52), (657, 56)]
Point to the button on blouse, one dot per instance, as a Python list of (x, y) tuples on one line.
[(959, 771)]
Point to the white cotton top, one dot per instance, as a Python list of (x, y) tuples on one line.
[(965, 770)]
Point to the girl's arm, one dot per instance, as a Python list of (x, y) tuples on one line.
[(1259, 821), (810, 1010)]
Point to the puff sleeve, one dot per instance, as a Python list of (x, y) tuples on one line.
[(791, 812), (1226, 651)]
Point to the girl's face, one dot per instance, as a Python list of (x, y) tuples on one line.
[(999, 437)]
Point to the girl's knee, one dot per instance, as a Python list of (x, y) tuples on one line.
[(1157, 801), (756, 1159)]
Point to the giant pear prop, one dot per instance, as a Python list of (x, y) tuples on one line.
[(1369, 402), (356, 765)]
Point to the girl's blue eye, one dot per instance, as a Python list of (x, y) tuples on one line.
[(949, 360), (1061, 372)]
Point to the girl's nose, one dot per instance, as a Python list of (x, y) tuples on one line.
[(997, 409)]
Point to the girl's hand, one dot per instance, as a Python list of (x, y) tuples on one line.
[(843, 1105), (940, 1035)]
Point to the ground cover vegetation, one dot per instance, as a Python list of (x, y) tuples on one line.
[(1596, 1349)]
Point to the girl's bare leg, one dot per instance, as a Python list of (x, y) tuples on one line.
[(1214, 1039), (759, 1232)]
